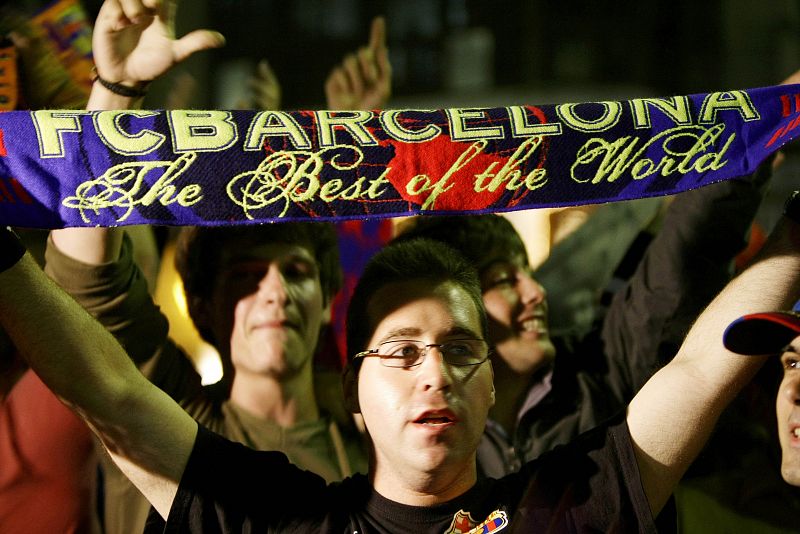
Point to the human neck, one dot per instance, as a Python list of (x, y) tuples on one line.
[(511, 390), (286, 401), (425, 489)]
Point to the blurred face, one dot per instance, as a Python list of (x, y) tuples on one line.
[(268, 302), (788, 410), (425, 421), (517, 308)]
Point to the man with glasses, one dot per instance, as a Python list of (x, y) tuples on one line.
[(424, 420), (551, 389), (260, 295), (424, 399), (405, 353)]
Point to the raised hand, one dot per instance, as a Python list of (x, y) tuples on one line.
[(364, 79), (134, 40), (264, 91)]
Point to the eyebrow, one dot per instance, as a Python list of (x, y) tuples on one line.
[(790, 348), (402, 333), (412, 333), (462, 331)]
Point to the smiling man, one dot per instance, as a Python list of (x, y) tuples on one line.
[(420, 376), (549, 390), (261, 295)]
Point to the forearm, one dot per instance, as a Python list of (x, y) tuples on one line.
[(83, 364), (95, 245), (672, 416), (101, 98), (62, 342), (115, 293), (92, 246), (770, 282)]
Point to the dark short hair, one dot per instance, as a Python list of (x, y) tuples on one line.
[(412, 259), (198, 255), (481, 239)]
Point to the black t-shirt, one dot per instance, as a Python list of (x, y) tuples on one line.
[(591, 485)]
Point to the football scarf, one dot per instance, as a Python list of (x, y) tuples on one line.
[(62, 168)]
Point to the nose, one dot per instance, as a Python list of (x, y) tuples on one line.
[(271, 287), (530, 290), (434, 373), (791, 389)]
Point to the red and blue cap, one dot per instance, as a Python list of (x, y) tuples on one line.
[(763, 333)]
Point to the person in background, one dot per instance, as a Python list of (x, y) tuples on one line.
[(550, 390), (362, 80), (421, 378), (260, 295), (776, 333)]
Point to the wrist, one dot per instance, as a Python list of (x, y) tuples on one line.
[(121, 88), (791, 210), (11, 248)]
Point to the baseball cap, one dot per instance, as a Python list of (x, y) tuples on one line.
[(763, 333)]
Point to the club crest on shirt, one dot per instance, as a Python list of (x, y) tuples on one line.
[(464, 524)]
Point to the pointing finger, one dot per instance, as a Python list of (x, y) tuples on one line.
[(377, 34)]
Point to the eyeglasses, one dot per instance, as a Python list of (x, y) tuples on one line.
[(405, 353)]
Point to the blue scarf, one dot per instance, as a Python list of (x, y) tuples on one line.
[(61, 168)]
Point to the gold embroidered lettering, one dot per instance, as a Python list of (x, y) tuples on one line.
[(123, 186), (509, 172)]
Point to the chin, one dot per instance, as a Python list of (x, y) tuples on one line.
[(525, 360), (433, 463), (791, 473)]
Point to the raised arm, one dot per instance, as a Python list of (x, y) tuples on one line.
[(686, 265), (673, 415), (133, 43), (148, 435), (364, 79)]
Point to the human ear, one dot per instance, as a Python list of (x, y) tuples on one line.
[(350, 388), (326, 312)]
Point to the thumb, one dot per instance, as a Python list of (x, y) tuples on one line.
[(794, 78), (196, 41)]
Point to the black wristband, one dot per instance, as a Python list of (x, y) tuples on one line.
[(791, 210), (11, 248), (119, 89)]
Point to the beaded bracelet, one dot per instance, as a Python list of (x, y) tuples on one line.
[(791, 209), (118, 88), (11, 248)]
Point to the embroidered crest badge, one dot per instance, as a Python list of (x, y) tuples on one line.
[(463, 523)]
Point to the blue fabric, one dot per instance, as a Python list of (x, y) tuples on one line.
[(210, 167)]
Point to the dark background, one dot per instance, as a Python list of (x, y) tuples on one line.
[(454, 51)]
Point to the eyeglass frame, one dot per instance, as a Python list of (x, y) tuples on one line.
[(425, 349)]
